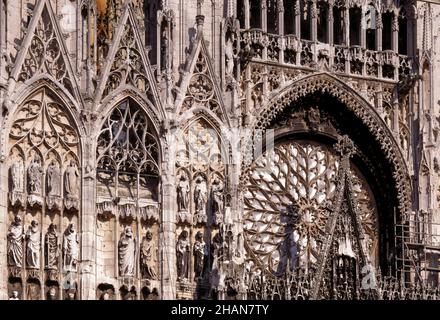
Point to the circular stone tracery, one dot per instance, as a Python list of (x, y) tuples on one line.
[(287, 200)]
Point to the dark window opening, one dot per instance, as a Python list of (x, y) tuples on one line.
[(289, 17), (370, 26), (272, 16), (241, 11), (338, 30), (355, 26), (305, 20), (403, 33), (322, 22), (387, 20), (151, 8), (255, 14)]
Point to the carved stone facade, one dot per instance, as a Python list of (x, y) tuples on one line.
[(219, 149)]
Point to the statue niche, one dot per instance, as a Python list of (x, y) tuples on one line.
[(33, 246), (15, 243), (148, 257), (182, 256)]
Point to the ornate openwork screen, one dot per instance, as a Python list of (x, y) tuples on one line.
[(287, 202)]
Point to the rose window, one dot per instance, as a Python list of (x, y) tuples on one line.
[(287, 203)]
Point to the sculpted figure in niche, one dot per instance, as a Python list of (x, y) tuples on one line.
[(33, 246), (200, 196), (15, 243), (127, 252), (182, 255), (54, 179), (199, 255), (35, 173), (17, 175), (230, 56), (51, 247), (182, 193), (148, 261), (217, 196), (71, 182), (70, 248)]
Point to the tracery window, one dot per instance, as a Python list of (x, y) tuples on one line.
[(305, 19), (287, 201), (127, 198)]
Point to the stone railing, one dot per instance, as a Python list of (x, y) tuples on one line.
[(354, 60)]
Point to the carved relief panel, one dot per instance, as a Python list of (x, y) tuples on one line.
[(127, 200), (44, 197)]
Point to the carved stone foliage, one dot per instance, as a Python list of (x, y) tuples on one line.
[(201, 90), (45, 54), (128, 66), (287, 204)]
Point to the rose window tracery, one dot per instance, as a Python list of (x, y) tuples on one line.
[(287, 204)]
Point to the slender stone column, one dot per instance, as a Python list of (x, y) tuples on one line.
[(88, 223)]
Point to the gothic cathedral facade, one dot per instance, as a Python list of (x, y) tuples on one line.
[(237, 149)]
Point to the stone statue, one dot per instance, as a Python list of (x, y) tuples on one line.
[(217, 197), (182, 194), (71, 182), (33, 246), (15, 243), (52, 293), (182, 255), (70, 248), (200, 196), (51, 248), (229, 55), (35, 173), (54, 179), (148, 261), (17, 175), (199, 255), (127, 252), (14, 295)]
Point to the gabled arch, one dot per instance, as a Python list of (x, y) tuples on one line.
[(44, 35), (199, 69), (325, 83), (120, 73)]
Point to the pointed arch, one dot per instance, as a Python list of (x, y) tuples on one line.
[(325, 83)]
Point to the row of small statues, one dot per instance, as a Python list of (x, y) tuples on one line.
[(53, 174), (32, 246), (219, 249), (200, 196)]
